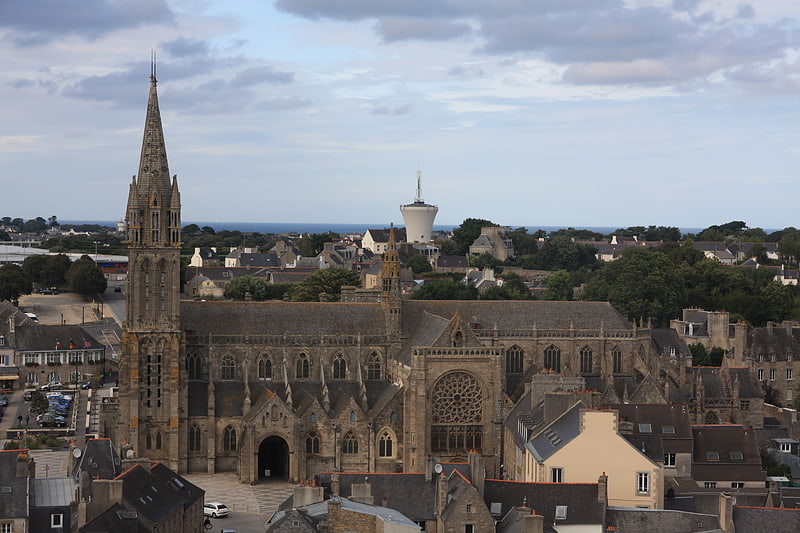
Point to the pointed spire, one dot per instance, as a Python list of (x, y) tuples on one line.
[(153, 167), (326, 399), (362, 388)]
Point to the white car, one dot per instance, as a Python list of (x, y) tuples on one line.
[(215, 509)]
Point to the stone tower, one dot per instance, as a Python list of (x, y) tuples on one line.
[(390, 293), (152, 381)]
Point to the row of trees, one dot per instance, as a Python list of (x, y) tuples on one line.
[(83, 276), (327, 282)]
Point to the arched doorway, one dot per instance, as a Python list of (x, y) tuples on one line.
[(273, 459)]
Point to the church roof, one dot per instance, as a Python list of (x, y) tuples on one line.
[(282, 318)]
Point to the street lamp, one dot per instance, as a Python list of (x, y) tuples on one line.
[(95, 250)]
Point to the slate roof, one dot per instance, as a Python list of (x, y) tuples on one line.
[(226, 273), (157, 493), (660, 428), (282, 318), (452, 261), (15, 490), (385, 514), (775, 340), (116, 519), (411, 494), (382, 235), (99, 459), (259, 260), (761, 519), (666, 339), (43, 338), (53, 492), (714, 454), (581, 500), (555, 435)]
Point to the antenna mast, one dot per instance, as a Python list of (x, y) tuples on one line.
[(418, 199)]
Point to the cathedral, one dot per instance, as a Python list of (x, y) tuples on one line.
[(373, 383)]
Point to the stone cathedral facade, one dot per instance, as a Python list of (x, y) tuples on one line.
[(373, 383)]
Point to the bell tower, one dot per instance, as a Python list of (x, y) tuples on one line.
[(152, 377)]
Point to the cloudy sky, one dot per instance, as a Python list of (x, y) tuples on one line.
[(524, 112)]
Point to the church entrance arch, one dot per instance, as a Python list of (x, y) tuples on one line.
[(273, 459)]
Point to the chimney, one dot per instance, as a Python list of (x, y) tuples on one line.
[(105, 493), (25, 465), (534, 523), (726, 512), (335, 484), (477, 468)]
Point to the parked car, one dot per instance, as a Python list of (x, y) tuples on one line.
[(53, 385), (215, 509), (48, 290), (27, 395), (87, 385), (3, 400)]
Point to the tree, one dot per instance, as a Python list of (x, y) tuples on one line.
[(512, 288), (33, 265), (484, 261), (419, 264), (789, 246), (39, 402), (86, 278), (699, 355), (310, 244), (524, 244), (55, 270), (238, 288), (13, 282), (559, 286), (446, 289), (35, 225), (328, 281), (191, 229), (465, 234), (643, 283)]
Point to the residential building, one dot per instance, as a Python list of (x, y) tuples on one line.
[(493, 241)]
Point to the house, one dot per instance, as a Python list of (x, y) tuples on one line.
[(493, 241), (17, 470), (561, 507), (286, 251), (582, 444), (716, 250), (54, 504), (377, 240), (232, 259), (451, 263), (147, 496), (726, 457), (205, 257)]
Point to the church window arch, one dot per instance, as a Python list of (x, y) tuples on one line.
[(312, 442), (514, 357), (587, 365), (227, 368), (194, 438), (386, 444), (339, 367), (552, 358), (148, 441), (616, 360), (194, 369), (158, 440), (264, 369), (458, 339), (350, 443), (374, 367), (456, 413), (352, 416), (302, 367), (393, 417), (229, 439), (313, 418)]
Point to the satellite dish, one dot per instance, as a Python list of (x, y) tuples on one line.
[(437, 468), (129, 454), (76, 453)]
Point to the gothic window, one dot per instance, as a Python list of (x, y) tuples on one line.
[(302, 366), (616, 359), (385, 445), (352, 416), (339, 367), (158, 440), (148, 441), (514, 360), (264, 368), (393, 417), (194, 438), (193, 366), (586, 360), (313, 418), (312, 443), (552, 358), (456, 413), (374, 367), (228, 368), (711, 418), (350, 443), (229, 439)]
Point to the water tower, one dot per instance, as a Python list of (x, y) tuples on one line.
[(419, 216)]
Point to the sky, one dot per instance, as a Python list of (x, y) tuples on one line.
[(524, 112)]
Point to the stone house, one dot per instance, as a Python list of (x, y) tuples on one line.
[(493, 241), (205, 257), (17, 469)]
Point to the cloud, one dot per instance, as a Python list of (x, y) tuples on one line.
[(183, 47), (593, 41), (36, 22), (263, 74), (406, 28), (401, 109)]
